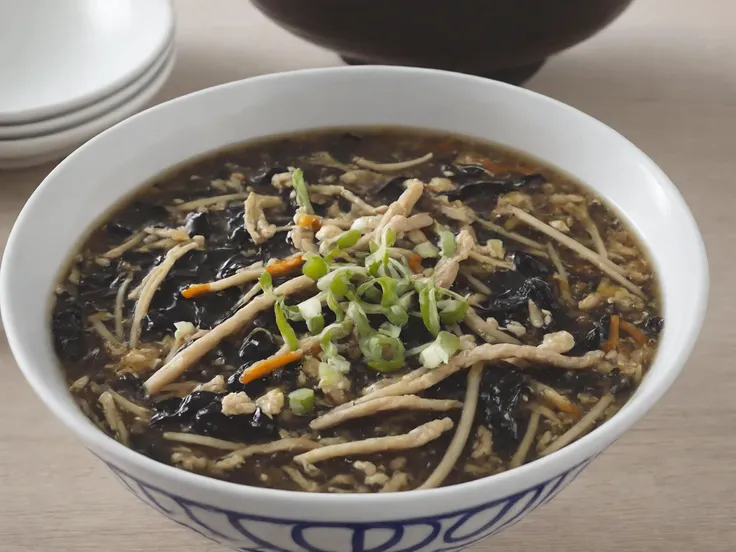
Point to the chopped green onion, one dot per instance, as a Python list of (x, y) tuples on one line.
[(404, 278), (368, 290), (440, 351), (287, 332), (370, 308), (384, 353), (315, 267), (340, 284), (428, 308), (311, 311), (375, 260), (372, 294), (333, 331), (447, 240), (300, 187), (420, 284), (397, 315), (327, 345), (406, 300), (357, 315), (379, 256), (316, 324), (389, 237), (328, 375), (390, 329), (301, 401), (291, 312), (334, 305), (452, 311), (427, 250), (388, 288), (451, 294), (266, 282), (418, 349), (348, 239), (344, 273), (337, 254), (339, 363)]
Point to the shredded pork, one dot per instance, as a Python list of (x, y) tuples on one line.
[(447, 268), (255, 217), (417, 437), (156, 276), (185, 358), (408, 402), (482, 353), (459, 440)]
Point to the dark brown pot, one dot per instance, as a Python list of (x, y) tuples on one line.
[(503, 39)]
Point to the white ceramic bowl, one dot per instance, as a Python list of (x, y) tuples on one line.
[(116, 162), (26, 152), (78, 117), (62, 55)]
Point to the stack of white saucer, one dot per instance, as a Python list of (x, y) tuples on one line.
[(69, 69)]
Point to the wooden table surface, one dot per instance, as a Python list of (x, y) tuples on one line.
[(665, 76)]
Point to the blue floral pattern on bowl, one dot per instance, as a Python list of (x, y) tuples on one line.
[(253, 533)]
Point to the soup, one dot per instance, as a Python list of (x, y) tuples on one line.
[(368, 311)]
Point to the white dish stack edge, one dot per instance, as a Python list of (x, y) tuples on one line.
[(72, 68)]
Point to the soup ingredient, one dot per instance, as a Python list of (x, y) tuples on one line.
[(377, 311), (301, 401)]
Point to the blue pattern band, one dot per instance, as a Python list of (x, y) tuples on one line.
[(253, 533)]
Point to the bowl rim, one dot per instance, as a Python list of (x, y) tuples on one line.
[(532, 473)]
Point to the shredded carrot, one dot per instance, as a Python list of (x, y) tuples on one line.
[(613, 334), (639, 336), (264, 367), (279, 268), (310, 222), (568, 407), (415, 262), (195, 290)]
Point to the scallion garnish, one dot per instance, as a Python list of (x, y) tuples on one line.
[(427, 250), (287, 332), (452, 311), (447, 240), (334, 305), (266, 282), (388, 288), (311, 311), (340, 284), (301, 401), (397, 315), (390, 329), (328, 374), (428, 308), (369, 291), (383, 352), (389, 237), (357, 315), (315, 266), (300, 187), (439, 352), (347, 239)]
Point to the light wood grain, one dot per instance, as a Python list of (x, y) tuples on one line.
[(665, 76)]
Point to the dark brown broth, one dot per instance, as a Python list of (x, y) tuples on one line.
[(90, 288)]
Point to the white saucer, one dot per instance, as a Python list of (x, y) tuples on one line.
[(33, 151), (58, 56), (87, 113)]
